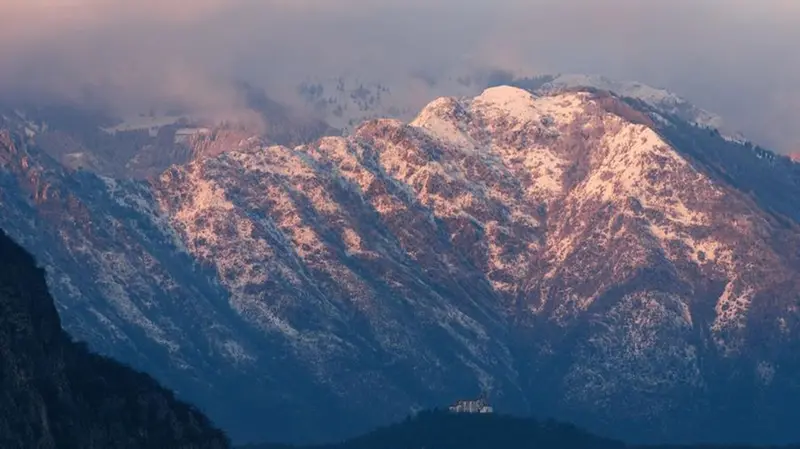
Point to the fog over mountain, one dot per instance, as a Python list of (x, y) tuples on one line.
[(729, 56)]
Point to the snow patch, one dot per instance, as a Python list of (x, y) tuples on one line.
[(151, 124)]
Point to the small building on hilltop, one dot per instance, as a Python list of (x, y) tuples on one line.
[(469, 406)]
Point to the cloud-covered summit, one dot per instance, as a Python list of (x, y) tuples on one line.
[(729, 56)]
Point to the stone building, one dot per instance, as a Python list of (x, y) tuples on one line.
[(472, 406)]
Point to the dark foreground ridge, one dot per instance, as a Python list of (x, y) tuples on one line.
[(54, 393), (444, 430)]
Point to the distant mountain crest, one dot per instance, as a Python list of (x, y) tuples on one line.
[(656, 97), (346, 101)]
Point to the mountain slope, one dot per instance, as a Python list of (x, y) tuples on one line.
[(56, 394), (573, 254)]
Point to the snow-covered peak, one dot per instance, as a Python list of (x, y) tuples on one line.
[(658, 98), (525, 107), (510, 100), (347, 101), (627, 88), (444, 115)]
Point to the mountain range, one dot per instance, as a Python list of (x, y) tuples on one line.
[(570, 251)]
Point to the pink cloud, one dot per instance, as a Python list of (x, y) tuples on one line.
[(731, 56)]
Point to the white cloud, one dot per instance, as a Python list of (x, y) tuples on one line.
[(735, 57)]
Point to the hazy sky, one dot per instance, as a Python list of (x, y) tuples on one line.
[(738, 58)]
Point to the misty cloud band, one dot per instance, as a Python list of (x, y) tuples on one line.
[(727, 56)]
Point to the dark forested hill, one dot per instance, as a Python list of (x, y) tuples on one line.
[(443, 430), (54, 393)]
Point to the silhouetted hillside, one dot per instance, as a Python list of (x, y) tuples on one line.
[(444, 430), (54, 393)]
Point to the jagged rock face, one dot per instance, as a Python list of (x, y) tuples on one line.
[(573, 254), (55, 394)]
